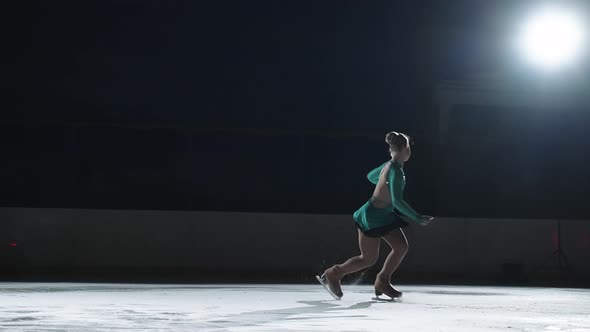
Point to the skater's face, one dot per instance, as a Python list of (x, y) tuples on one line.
[(399, 146), (405, 153)]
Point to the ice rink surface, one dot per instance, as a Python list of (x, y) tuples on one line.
[(151, 307)]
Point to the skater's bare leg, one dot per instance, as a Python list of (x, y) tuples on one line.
[(369, 248), (399, 247)]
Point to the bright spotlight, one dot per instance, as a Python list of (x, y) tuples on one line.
[(551, 38)]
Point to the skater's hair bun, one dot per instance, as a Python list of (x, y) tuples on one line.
[(397, 141)]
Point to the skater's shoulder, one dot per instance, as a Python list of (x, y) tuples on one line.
[(395, 165)]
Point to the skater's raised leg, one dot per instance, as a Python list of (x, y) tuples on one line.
[(399, 247), (369, 248)]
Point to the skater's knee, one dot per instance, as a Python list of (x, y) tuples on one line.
[(403, 248), (368, 260)]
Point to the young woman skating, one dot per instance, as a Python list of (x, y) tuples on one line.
[(382, 216)]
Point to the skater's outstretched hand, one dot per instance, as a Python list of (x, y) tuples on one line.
[(426, 220)]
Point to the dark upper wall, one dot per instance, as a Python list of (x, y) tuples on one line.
[(232, 105)]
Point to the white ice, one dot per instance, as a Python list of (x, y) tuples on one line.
[(151, 307)]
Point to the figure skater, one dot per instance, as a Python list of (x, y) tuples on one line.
[(378, 218)]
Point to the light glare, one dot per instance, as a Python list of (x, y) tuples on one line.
[(551, 38)]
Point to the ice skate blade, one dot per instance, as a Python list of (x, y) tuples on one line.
[(323, 283), (387, 299)]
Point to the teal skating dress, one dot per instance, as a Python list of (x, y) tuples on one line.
[(376, 222)]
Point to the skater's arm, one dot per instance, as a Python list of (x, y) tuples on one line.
[(396, 191), (373, 175)]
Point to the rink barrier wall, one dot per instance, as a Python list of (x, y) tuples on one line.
[(450, 249)]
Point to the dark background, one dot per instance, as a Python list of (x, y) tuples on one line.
[(276, 106)]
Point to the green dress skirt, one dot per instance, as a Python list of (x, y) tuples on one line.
[(377, 222)]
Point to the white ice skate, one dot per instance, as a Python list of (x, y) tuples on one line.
[(322, 280)]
